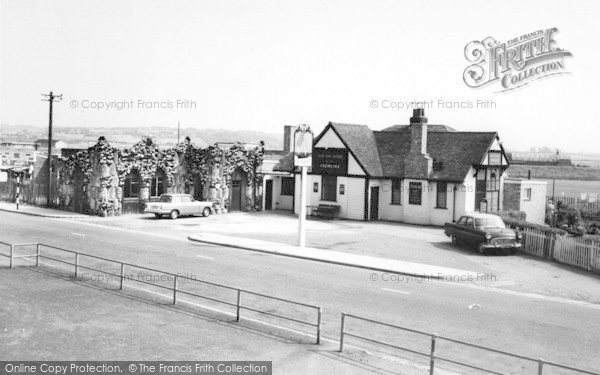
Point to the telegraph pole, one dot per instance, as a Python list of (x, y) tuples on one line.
[(51, 98)]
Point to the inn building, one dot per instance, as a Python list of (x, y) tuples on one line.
[(416, 173)]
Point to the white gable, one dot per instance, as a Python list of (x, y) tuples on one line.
[(330, 140), (494, 147)]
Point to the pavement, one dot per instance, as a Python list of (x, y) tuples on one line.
[(336, 257), (39, 211), (43, 317)]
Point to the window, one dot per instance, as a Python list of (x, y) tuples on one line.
[(469, 222), (414, 193), (158, 184), (441, 195), (185, 199), (528, 194), (17, 155), (131, 187), (396, 191), (329, 188), (342, 189), (287, 186), (316, 187)]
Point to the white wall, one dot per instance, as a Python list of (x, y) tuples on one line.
[(351, 203), (280, 202)]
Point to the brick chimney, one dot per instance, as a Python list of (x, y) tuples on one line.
[(288, 139), (418, 164)]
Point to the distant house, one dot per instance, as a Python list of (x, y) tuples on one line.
[(41, 145), (417, 173)]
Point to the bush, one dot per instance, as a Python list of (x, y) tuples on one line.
[(522, 224), (513, 214)]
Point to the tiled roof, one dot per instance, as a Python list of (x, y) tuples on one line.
[(382, 153), (453, 153), (361, 142)]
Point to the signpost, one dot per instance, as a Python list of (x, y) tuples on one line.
[(303, 142)]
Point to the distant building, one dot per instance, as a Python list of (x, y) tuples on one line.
[(42, 146), (528, 196)]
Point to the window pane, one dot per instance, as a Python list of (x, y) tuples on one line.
[(442, 191), (328, 192), (414, 193), (396, 191), (287, 186)]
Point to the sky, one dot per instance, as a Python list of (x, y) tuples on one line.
[(264, 64)]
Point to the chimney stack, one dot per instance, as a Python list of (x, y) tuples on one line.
[(288, 139), (418, 131), (418, 164)]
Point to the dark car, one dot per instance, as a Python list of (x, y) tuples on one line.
[(484, 232)]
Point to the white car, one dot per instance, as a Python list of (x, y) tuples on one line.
[(175, 205)]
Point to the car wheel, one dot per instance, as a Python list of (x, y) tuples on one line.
[(206, 211), (158, 216), (174, 214)]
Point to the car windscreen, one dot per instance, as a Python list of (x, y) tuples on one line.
[(489, 222), (166, 198)]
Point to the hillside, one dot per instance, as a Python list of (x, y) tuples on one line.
[(559, 172)]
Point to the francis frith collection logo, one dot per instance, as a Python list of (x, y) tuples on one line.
[(514, 63)]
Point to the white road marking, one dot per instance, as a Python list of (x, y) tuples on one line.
[(78, 234), (395, 291), (205, 257)]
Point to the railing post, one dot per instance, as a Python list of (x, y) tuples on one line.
[(432, 355), (319, 316), (37, 255), (540, 366), (76, 264), (122, 275), (342, 332), (239, 301), (12, 254), (175, 290)]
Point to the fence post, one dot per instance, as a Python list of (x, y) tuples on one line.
[(239, 300), (320, 313), (12, 254), (342, 332), (37, 255), (175, 290), (122, 275), (540, 366), (76, 264), (432, 355)]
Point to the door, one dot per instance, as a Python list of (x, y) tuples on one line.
[(269, 195), (374, 211), (236, 195)]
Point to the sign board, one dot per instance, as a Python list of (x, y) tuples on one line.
[(330, 161), (303, 143)]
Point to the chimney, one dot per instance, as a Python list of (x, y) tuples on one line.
[(418, 131), (288, 139), (418, 164)]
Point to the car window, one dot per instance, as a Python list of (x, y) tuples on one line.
[(489, 222), (462, 220), (186, 199), (469, 222), (166, 198)]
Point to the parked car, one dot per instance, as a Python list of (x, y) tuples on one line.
[(175, 205), (487, 233)]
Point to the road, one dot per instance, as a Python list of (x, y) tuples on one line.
[(532, 326)]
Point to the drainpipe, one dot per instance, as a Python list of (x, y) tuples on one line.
[(453, 202)]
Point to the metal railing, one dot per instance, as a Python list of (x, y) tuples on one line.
[(433, 356), (239, 292)]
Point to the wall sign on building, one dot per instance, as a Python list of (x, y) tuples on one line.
[(330, 161)]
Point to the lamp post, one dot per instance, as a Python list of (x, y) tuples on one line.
[(303, 142)]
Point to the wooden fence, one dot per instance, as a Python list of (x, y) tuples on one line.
[(575, 202), (575, 251)]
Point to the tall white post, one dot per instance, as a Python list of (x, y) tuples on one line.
[(302, 216)]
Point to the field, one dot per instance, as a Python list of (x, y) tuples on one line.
[(573, 188), (560, 172)]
